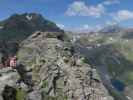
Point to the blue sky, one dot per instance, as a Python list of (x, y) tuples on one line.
[(75, 15)]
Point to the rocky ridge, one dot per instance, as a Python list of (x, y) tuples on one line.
[(56, 72)]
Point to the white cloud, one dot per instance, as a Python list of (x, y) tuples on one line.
[(86, 27), (79, 8), (61, 26), (110, 2), (123, 15)]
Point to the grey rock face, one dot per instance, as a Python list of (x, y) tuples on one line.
[(58, 72), (35, 95), (8, 78)]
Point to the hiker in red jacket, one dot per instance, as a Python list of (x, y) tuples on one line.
[(13, 62)]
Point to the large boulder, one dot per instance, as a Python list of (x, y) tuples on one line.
[(8, 79)]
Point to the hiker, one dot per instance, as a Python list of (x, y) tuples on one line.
[(7, 62), (3, 59), (3, 62), (13, 62)]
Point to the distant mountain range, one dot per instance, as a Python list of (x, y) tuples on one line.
[(116, 30), (19, 26), (111, 29)]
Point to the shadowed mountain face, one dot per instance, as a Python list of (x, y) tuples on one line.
[(18, 27)]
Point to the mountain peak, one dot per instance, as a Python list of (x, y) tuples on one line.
[(23, 25)]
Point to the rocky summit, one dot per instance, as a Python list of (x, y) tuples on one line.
[(19, 26), (50, 69)]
